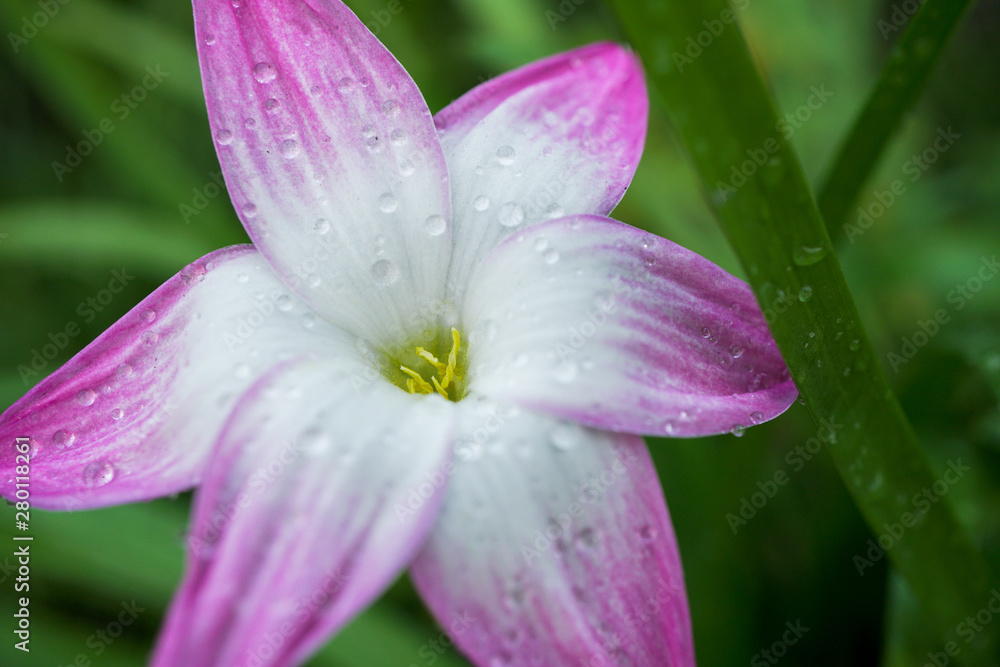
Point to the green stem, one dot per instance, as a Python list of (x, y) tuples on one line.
[(724, 115)]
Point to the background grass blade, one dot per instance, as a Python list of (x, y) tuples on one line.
[(903, 78), (700, 63)]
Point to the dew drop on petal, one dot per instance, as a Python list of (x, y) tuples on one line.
[(123, 370), (406, 168), (385, 273), (62, 438), (313, 280), (290, 148), (736, 351), (390, 108), (551, 257), (511, 214), (117, 414), (242, 278), (210, 40), (706, 332), (387, 203), (284, 303), (264, 72), (805, 293), (565, 372), (506, 155), (150, 338), (224, 137), (345, 85), (86, 397), (541, 244), (271, 105), (756, 417), (98, 474), (398, 137), (435, 225), (322, 226), (481, 203), (554, 211), (738, 430), (250, 210), (563, 437)]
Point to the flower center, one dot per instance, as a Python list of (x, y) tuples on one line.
[(428, 371)]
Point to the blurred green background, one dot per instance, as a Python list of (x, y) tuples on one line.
[(143, 200)]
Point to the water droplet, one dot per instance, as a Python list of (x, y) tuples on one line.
[(284, 303), (738, 430), (148, 316), (554, 211), (756, 382), (322, 226), (541, 244), (511, 214), (435, 225), (308, 320), (150, 338), (368, 131), (210, 40), (264, 72), (406, 168), (98, 474), (565, 372), (123, 370), (271, 105), (243, 278), (706, 332), (224, 137), (756, 417), (481, 203), (805, 293), (86, 397), (736, 351), (63, 438), (345, 85), (250, 210), (563, 437), (117, 414), (647, 533), (387, 203), (390, 108), (290, 148), (193, 274), (385, 273), (313, 280), (808, 255), (398, 137), (855, 345), (506, 155), (551, 257), (250, 123)]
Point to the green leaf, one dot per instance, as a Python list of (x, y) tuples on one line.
[(698, 60), (903, 78)]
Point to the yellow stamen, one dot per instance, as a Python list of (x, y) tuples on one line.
[(446, 373), (420, 384)]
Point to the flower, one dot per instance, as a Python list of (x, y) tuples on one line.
[(438, 353)]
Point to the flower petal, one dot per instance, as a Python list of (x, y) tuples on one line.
[(320, 492), (601, 323), (559, 136), (330, 155), (133, 416), (554, 547)]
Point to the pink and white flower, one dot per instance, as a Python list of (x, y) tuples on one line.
[(438, 353)]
